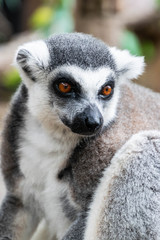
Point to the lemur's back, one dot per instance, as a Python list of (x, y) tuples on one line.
[(139, 109)]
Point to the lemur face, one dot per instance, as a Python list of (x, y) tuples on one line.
[(85, 100), (74, 80)]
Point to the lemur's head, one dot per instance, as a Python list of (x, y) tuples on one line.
[(73, 80)]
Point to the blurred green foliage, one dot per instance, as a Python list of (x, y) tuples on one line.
[(131, 42), (53, 17), (11, 79), (158, 3), (137, 47), (41, 17), (148, 49)]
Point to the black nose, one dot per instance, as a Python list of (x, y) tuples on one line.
[(88, 122), (92, 122)]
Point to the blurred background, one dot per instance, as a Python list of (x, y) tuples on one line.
[(127, 24)]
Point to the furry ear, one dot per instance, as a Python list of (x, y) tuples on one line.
[(32, 59), (128, 66)]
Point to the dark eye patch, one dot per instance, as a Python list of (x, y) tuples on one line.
[(66, 78)]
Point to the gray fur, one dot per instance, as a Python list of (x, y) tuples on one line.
[(22, 58), (80, 50), (77, 229), (83, 167), (69, 210), (132, 208), (14, 122), (16, 219), (130, 202), (10, 207)]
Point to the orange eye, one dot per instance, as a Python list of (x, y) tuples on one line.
[(106, 91), (64, 87)]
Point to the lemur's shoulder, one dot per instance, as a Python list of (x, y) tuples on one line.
[(139, 106)]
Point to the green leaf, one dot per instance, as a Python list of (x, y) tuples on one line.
[(11, 79), (131, 42), (67, 4), (41, 17), (158, 3), (148, 49)]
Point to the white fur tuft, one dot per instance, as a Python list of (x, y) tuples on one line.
[(128, 66), (36, 57), (38, 50)]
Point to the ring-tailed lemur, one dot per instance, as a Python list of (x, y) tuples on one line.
[(74, 109)]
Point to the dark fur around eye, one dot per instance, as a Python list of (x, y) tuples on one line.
[(66, 78)]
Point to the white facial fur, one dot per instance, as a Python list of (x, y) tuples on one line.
[(91, 82)]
